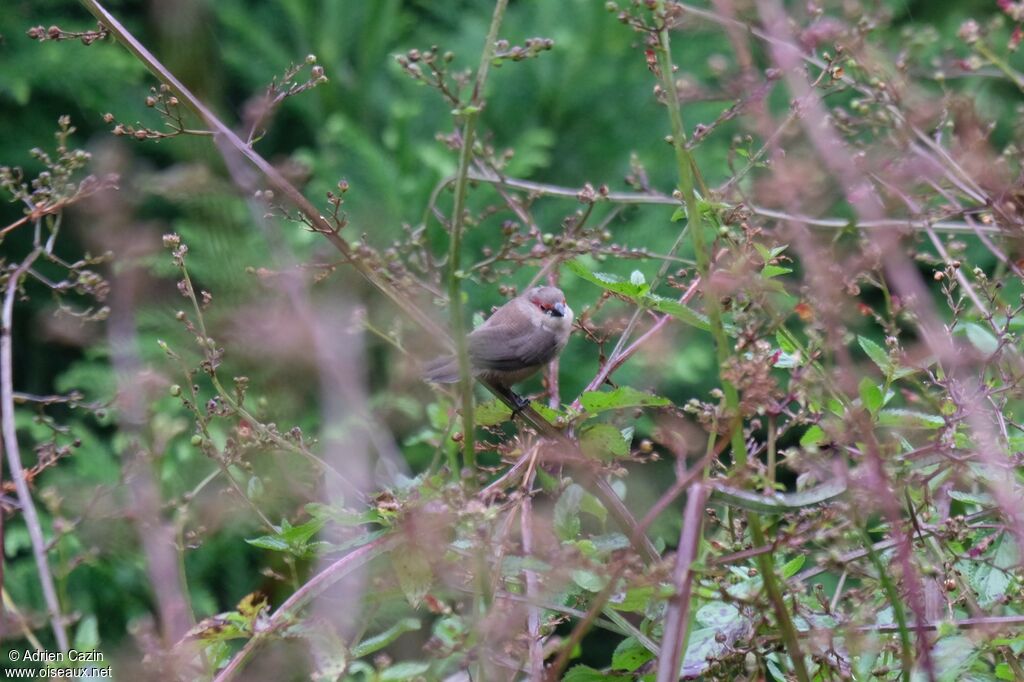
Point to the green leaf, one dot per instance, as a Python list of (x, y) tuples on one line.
[(717, 615), (981, 338), (812, 436), (379, 641), (876, 353), (492, 413), (979, 499), (402, 672), (638, 291), (623, 397), (543, 410), (611, 283), (584, 673), (870, 395), (791, 567), (588, 580), (87, 636), (992, 577), (703, 645), (909, 419), (953, 657), (591, 505), (680, 312), (634, 599), (414, 573), (630, 655), (784, 342), (293, 539), (770, 271), (778, 502), (566, 517), (604, 442)]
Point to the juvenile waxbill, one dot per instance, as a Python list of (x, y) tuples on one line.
[(520, 337)]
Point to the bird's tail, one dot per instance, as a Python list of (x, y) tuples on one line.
[(442, 370)]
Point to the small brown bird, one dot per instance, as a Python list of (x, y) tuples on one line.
[(517, 340)]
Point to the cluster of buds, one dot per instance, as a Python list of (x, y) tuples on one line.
[(530, 48), (336, 200), (411, 60), (589, 195), (167, 105), (431, 68), (1014, 10), (57, 33)]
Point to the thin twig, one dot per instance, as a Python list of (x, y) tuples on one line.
[(10, 438), (677, 614)]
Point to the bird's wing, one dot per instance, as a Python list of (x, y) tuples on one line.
[(501, 347)]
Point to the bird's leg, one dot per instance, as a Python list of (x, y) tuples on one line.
[(519, 403)]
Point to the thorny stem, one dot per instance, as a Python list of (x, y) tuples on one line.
[(687, 171), (470, 114)]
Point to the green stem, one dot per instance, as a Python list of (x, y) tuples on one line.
[(470, 114), (906, 646), (1000, 63), (689, 174)]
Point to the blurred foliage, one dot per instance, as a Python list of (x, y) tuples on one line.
[(583, 112)]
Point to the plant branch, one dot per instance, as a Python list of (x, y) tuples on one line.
[(470, 113), (10, 440)]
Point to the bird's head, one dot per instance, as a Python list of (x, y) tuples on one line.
[(550, 302)]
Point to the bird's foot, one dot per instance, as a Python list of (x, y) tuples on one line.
[(519, 403)]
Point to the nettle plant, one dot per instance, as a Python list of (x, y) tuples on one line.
[(847, 498)]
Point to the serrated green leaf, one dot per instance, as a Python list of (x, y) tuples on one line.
[(980, 499), (679, 311), (717, 615), (492, 413), (630, 655), (876, 353), (591, 505), (623, 397), (604, 442), (909, 419), (994, 575), (953, 657), (415, 575), (609, 282)]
